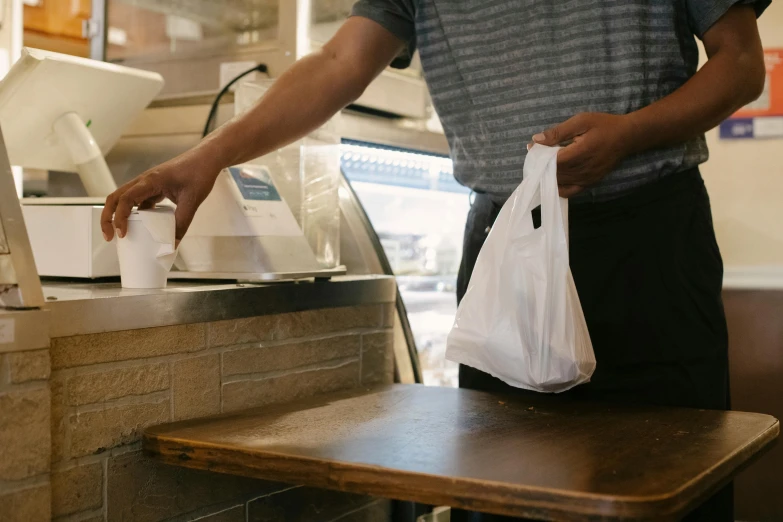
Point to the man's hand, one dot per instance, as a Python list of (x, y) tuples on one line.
[(594, 143), (186, 180)]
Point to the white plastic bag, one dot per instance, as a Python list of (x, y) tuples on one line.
[(521, 319)]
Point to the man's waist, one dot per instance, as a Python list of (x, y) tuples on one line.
[(647, 191), (630, 175)]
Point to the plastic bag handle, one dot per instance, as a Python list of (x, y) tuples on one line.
[(554, 209), (525, 198), (536, 190), (542, 162)]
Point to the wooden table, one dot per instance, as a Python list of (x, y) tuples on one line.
[(544, 457)]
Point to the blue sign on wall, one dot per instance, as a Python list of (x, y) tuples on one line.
[(738, 128), (760, 127)]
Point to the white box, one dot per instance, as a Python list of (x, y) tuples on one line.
[(67, 241)]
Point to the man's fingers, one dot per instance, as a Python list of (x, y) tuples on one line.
[(567, 191), (150, 203), (567, 130), (184, 216), (135, 195), (110, 207), (108, 215)]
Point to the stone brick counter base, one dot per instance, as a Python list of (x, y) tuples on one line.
[(107, 387), (24, 436)]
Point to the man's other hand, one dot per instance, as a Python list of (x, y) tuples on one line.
[(593, 143)]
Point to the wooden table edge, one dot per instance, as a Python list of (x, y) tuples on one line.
[(490, 497), (696, 492)]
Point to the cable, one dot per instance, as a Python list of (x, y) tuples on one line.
[(261, 67)]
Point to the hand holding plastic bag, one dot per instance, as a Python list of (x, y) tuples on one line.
[(521, 319)]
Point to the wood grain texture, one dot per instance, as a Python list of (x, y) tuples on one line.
[(543, 457)]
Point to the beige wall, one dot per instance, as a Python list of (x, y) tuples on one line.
[(745, 181)]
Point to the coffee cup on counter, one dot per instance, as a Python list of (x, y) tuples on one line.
[(148, 250)]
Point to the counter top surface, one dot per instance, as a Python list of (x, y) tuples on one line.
[(546, 457), (92, 307)]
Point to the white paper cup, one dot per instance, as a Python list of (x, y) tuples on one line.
[(141, 264)]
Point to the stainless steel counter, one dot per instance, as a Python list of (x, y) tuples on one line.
[(83, 308)]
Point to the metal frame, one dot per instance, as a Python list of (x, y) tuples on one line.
[(20, 286), (79, 309), (293, 30), (97, 29), (263, 277)]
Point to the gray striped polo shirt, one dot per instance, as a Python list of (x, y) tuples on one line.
[(500, 71)]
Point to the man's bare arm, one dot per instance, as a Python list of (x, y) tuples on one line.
[(732, 77)]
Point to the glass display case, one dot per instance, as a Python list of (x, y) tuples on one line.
[(418, 211)]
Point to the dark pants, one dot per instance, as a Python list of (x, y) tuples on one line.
[(649, 275)]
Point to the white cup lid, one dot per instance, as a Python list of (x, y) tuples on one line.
[(135, 216)]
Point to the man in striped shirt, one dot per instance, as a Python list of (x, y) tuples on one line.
[(614, 80)]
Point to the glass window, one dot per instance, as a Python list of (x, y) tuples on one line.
[(158, 29)]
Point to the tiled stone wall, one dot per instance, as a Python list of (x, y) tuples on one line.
[(106, 388), (24, 436)]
